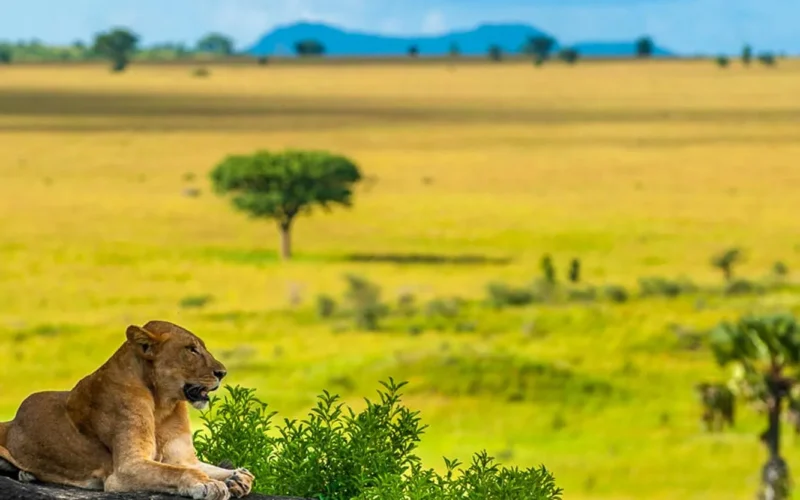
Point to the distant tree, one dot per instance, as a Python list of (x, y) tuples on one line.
[(283, 185), (118, 45), (644, 47), (413, 51), (215, 43), (765, 355), (495, 53), (455, 50), (767, 59), (723, 61), (6, 54), (725, 261), (539, 47), (309, 47), (747, 55), (263, 60), (569, 55)]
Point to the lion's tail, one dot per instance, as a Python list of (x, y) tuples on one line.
[(7, 463)]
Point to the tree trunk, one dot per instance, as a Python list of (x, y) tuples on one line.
[(775, 473), (286, 239)]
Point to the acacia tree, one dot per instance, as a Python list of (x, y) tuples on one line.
[(644, 47), (539, 47), (725, 261), (118, 45), (216, 43), (283, 185), (765, 354)]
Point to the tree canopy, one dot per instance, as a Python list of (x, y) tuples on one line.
[(215, 43), (309, 47), (282, 185), (644, 47), (118, 45), (539, 47)]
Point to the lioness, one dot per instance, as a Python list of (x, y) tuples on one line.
[(125, 427)]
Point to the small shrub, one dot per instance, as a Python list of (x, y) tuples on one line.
[(615, 293), (263, 61), (548, 269), (569, 55), (588, 294), (195, 301), (655, 286), (780, 270), (326, 306), (495, 53), (743, 287), (575, 271), (405, 304), (446, 308), (364, 300), (723, 61), (501, 295), (201, 73)]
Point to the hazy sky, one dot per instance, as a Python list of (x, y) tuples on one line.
[(686, 26)]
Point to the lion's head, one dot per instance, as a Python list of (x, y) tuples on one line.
[(180, 365)]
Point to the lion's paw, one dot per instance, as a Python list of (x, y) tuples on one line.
[(240, 483), (26, 477), (212, 490)]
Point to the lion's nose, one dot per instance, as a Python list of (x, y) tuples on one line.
[(220, 374)]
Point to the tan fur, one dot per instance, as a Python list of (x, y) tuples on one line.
[(125, 427)]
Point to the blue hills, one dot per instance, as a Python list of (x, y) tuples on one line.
[(473, 42)]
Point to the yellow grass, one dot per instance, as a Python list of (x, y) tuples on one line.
[(636, 169)]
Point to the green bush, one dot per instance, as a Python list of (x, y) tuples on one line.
[(575, 271), (326, 306), (338, 454), (655, 286), (502, 295), (743, 287), (201, 73), (548, 270), (195, 301), (363, 298), (615, 293)]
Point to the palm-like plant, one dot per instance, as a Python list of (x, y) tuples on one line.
[(765, 354)]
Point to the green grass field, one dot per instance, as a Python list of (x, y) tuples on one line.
[(636, 169)]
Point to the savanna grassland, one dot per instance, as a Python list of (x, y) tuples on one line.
[(637, 169)]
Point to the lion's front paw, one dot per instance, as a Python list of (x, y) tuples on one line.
[(212, 490), (240, 483)]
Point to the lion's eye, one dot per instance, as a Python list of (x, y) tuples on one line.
[(193, 349)]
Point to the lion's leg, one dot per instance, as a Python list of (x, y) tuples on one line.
[(179, 451), (147, 475)]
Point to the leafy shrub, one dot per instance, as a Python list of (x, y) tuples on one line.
[(338, 454), (723, 61), (201, 73), (446, 308), (195, 301), (363, 297), (326, 306), (615, 293), (588, 294), (575, 271), (405, 304), (655, 286), (780, 269), (501, 295), (743, 287), (548, 269)]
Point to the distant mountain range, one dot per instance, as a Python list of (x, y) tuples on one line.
[(474, 42)]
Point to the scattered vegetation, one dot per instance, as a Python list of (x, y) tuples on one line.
[(338, 454), (196, 301)]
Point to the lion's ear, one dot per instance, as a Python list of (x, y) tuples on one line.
[(143, 340)]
